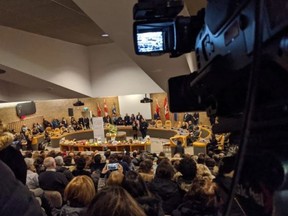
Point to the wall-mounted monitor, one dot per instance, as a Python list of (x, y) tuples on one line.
[(24, 109)]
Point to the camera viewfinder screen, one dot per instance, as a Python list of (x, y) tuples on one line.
[(150, 42)]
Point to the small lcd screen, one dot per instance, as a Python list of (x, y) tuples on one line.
[(152, 37), (150, 42)]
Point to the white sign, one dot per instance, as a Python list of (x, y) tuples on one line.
[(98, 128)]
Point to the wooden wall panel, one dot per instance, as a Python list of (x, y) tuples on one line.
[(50, 109)]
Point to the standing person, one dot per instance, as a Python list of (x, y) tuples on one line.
[(179, 149), (195, 118), (143, 127), (135, 129), (139, 116)]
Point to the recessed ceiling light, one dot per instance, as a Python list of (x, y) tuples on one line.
[(105, 35)]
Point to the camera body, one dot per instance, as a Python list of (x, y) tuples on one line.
[(223, 38), (157, 28)]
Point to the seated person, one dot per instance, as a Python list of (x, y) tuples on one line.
[(15, 198), (117, 202), (78, 195), (50, 179)]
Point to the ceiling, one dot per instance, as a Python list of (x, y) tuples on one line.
[(78, 22)]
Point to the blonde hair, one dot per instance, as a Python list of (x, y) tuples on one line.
[(80, 191), (115, 178), (6, 138)]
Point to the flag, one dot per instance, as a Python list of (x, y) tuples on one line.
[(166, 109), (157, 107), (105, 108), (99, 111)]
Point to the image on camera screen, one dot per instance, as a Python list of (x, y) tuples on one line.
[(150, 41), (113, 166)]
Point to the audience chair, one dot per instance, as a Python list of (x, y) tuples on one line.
[(199, 146), (159, 124), (168, 124), (55, 198), (57, 132), (182, 138)]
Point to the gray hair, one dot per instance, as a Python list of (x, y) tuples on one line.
[(49, 162), (59, 160), (29, 162)]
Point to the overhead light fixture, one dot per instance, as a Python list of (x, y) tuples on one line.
[(105, 35), (146, 100)]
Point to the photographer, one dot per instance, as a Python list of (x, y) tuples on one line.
[(111, 174)]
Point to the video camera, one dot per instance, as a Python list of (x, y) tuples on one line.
[(158, 29), (228, 38), (223, 40)]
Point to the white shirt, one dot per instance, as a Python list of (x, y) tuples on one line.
[(32, 181)]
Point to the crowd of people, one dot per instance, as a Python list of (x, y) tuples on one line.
[(106, 183)]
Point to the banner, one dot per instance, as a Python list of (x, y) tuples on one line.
[(98, 129)]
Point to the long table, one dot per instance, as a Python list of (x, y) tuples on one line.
[(88, 134), (92, 147)]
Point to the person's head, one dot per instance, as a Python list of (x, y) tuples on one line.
[(201, 158), (49, 163), (67, 160), (134, 184), (179, 143), (187, 167), (80, 191), (146, 166), (115, 178), (164, 170), (107, 154), (80, 163), (30, 164), (28, 154), (114, 201), (226, 165), (59, 161), (203, 191), (97, 159), (127, 159), (204, 172)]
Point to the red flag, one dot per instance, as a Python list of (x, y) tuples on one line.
[(105, 108), (157, 107), (99, 111), (166, 109)]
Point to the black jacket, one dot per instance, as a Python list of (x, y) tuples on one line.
[(169, 193), (15, 198), (151, 205)]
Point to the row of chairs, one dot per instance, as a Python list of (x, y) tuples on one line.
[(167, 124)]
